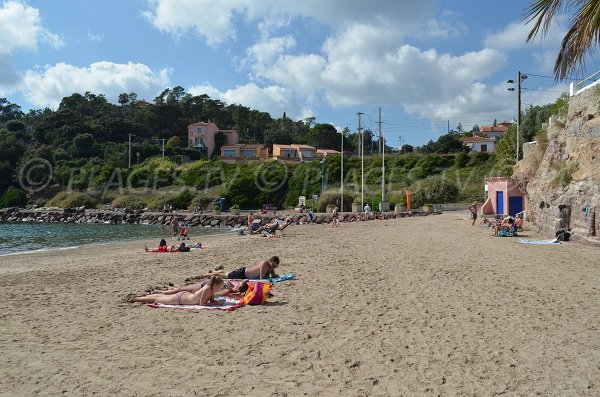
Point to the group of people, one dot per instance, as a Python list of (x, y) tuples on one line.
[(211, 285), (180, 232), (505, 225), (182, 247)]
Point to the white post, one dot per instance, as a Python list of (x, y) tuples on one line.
[(129, 151), (382, 159), (342, 176)]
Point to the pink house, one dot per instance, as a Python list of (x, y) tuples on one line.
[(503, 197), (201, 136)]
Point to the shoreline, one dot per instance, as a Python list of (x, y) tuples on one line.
[(412, 306)]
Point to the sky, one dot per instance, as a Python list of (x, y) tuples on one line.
[(428, 64)]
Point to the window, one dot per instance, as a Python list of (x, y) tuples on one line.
[(199, 130), (228, 152), (484, 148), (248, 153)]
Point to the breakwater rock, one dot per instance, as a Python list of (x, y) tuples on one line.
[(157, 218)]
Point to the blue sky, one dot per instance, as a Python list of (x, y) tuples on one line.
[(426, 63)]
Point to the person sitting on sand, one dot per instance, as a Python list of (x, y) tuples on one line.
[(203, 296), (505, 225), (277, 224), (184, 233), (162, 247), (263, 269)]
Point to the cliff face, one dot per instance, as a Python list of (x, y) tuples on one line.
[(562, 182)]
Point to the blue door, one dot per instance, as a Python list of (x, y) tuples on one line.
[(500, 202), (515, 205)]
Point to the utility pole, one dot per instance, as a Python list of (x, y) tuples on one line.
[(520, 78), (518, 109), (362, 163), (382, 140)]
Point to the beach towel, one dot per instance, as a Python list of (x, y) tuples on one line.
[(283, 277), (541, 242), (224, 303)]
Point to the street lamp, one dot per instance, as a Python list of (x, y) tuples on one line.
[(520, 78)]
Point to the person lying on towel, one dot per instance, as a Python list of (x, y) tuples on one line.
[(228, 288), (202, 296), (263, 269)]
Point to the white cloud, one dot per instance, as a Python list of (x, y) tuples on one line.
[(264, 53), (514, 36), (48, 86), (95, 38), (215, 20), (20, 27), (368, 64), (272, 99), (212, 20)]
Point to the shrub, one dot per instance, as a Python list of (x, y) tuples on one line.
[(398, 198), (479, 159), (461, 160), (183, 199), (130, 201), (72, 199), (333, 198), (435, 190), (564, 174), (13, 197), (201, 201)]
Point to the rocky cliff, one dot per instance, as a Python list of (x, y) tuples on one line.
[(561, 177)]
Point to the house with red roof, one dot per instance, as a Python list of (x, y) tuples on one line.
[(479, 144), (494, 131), (201, 136)]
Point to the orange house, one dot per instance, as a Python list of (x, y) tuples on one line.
[(242, 152), (201, 136), (294, 152)]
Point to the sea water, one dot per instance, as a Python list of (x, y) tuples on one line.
[(30, 236)]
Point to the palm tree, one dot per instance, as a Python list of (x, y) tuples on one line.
[(583, 33)]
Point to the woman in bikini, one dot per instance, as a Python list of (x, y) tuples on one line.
[(202, 296)]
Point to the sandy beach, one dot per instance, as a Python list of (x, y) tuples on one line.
[(411, 306)]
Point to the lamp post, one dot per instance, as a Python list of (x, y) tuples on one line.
[(342, 176), (520, 78)]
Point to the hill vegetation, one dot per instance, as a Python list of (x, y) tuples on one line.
[(78, 155)]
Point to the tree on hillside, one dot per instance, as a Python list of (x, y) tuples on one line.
[(448, 143), (583, 33), (9, 111), (325, 136)]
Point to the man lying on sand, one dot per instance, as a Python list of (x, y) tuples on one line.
[(262, 269)]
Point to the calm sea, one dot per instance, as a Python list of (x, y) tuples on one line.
[(25, 236)]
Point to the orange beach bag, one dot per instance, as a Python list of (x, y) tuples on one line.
[(257, 293)]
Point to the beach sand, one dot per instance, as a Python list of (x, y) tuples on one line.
[(411, 306)]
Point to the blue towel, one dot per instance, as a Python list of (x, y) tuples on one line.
[(281, 278), (542, 242)]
